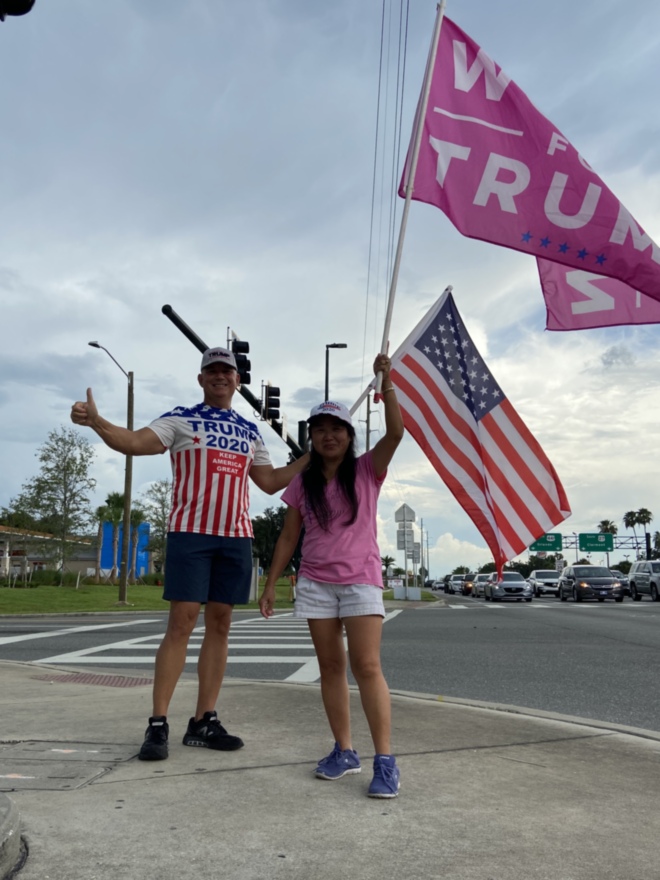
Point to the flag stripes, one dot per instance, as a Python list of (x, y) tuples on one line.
[(491, 463)]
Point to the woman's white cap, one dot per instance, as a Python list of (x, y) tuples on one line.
[(330, 408)]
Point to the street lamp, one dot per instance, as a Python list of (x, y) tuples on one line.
[(128, 479), (327, 364), (576, 545)]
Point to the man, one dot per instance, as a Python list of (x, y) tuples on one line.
[(209, 544)]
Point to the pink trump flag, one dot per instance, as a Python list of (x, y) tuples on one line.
[(579, 300), (503, 173)]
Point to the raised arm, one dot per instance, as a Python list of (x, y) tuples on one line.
[(271, 480), (141, 442), (284, 550), (386, 447)]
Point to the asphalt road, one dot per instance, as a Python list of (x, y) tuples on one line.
[(593, 660)]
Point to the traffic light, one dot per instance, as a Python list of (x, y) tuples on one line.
[(302, 435), (271, 404), (240, 350), (15, 7)]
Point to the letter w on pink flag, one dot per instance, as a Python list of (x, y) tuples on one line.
[(503, 173), (470, 432)]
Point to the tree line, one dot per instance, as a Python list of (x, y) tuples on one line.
[(56, 503)]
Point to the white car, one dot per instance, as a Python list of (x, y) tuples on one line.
[(545, 580), (456, 583)]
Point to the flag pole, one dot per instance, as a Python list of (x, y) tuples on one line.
[(410, 177)]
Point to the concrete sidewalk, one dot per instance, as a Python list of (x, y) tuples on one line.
[(485, 794)]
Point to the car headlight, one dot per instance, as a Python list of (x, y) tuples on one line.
[(584, 585)]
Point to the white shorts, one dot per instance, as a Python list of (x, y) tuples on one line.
[(317, 600)]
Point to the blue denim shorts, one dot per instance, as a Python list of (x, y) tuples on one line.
[(207, 568)]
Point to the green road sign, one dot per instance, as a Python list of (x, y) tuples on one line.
[(602, 541), (551, 542)]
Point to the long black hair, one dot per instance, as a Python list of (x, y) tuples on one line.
[(314, 482)]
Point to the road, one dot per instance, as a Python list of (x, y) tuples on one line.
[(592, 660)]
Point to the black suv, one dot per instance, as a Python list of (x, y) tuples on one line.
[(589, 582), (644, 577)]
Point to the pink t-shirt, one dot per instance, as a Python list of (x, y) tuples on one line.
[(344, 554)]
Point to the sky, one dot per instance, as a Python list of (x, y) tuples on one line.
[(219, 157)]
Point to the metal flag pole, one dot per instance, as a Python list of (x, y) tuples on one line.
[(410, 177)]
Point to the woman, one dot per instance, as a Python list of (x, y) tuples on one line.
[(340, 582)]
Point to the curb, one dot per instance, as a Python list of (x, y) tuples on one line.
[(10, 837)]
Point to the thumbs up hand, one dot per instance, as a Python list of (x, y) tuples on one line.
[(85, 413)]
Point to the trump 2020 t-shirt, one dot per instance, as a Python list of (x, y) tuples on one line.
[(212, 451)]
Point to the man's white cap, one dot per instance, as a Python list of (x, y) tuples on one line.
[(218, 356), (330, 408)]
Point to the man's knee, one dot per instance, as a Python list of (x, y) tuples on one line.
[(182, 620), (217, 619)]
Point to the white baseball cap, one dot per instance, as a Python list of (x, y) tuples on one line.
[(218, 356), (330, 408)]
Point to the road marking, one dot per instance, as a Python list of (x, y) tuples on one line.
[(282, 633), (8, 640)]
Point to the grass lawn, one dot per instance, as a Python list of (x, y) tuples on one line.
[(98, 597), (102, 597)]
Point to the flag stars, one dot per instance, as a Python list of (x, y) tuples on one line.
[(564, 248), (545, 242), (582, 253), (600, 259), (196, 440), (427, 350), (526, 237)]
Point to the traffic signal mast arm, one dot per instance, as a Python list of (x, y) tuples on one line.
[(245, 393)]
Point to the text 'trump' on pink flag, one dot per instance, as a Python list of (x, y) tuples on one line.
[(503, 173), (473, 437), (579, 300)]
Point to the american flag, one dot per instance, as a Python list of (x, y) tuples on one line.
[(455, 409)]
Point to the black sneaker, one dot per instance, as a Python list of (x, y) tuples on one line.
[(154, 747), (208, 733)]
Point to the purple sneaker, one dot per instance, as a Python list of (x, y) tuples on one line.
[(385, 783), (339, 762)]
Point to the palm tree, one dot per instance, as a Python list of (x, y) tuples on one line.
[(115, 505), (630, 521), (386, 561), (100, 515), (607, 527), (138, 516), (643, 517)]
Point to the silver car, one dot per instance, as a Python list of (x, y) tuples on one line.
[(479, 584), (512, 586)]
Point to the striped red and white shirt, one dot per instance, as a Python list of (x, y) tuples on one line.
[(212, 451)]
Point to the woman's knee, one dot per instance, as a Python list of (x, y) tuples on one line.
[(332, 666), (366, 668)]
